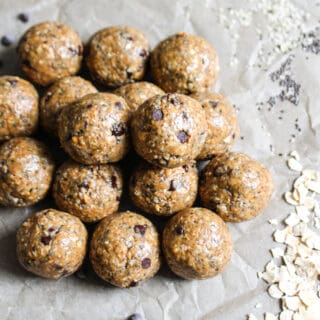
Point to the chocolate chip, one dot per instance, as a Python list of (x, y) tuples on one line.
[(129, 74), (12, 82), (133, 283), (186, 168), (184, 116), (141, 229), (143, 53), (118, 105), (84, 184), (23, 17), (173, 185), (45, 240), (119, 129), (6, 41), (146, 263), (213, 104), (52, 229), (114, 182), (135, 316), (157, 115), (182, 136), (89, 106), (179, 230)]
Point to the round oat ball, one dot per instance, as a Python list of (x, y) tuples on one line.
[(169, 130), (49, 51), (164, 191), (63, 92), (184, 63), (197, 244), (88, 192), (125, 249), (235, 186), (94, 129), (117, 55), (51, 244), (137, 93), (26, 170), (223, 129), (18, 108)]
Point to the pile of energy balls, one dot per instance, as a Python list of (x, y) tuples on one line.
[(170, 125)]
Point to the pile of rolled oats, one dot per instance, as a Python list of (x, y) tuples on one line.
[(280, 26), (293, 273)]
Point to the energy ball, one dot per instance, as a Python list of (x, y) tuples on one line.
[(164, 191), (184, 63), (49, 51), (223, 129), (235, 186), (88, 192), (137, 93), (26, 170), (125, 249), (169, 130), (94, 129), (63, 92), (51, 244), (117, 55), (197, 244), (18, 108)]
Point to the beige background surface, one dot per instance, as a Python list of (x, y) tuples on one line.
[(234, 293)]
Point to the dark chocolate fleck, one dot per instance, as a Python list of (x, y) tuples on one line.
[(12, 82), (133, 283), (143, 53), (186, 168), (118, 105), (6, 41), (182, 136), (45, 240), (119, 129), (114, 182), (23, 17), (173, 185), (213, 104), (174, 100), (129, 74), (157, 115), (89, 106), (179, 230), (74, 52), (141, 229), (146, 263)]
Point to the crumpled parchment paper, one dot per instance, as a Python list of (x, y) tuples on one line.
[(237, 290)]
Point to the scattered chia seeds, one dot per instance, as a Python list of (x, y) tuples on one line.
[(311, 43), (23, 17), (6, 41)]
